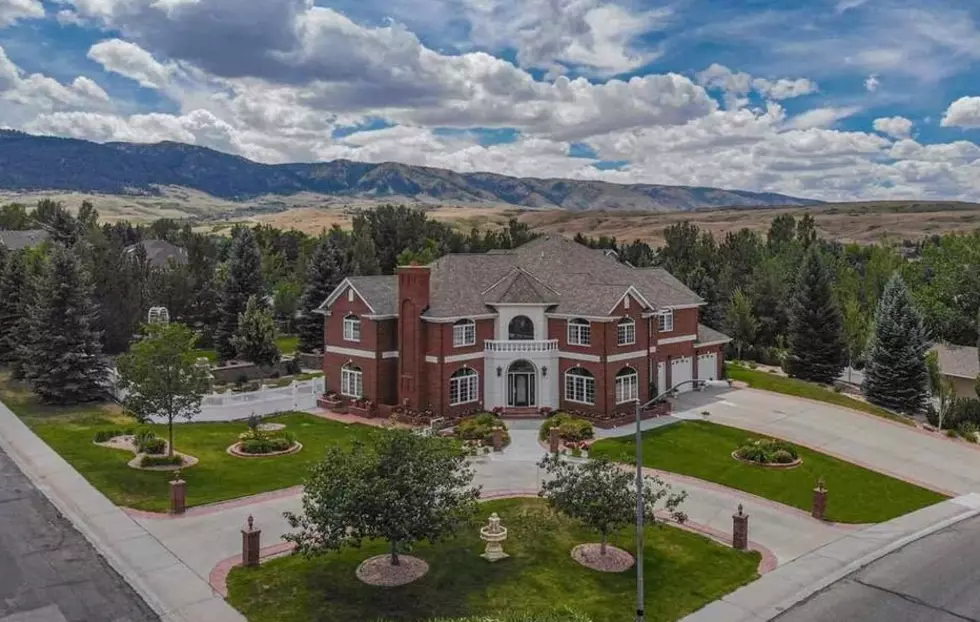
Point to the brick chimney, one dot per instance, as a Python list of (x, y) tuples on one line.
[(413, 299)]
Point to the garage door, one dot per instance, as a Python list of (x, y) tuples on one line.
[(661, 377), (708, 366), (680, 370)]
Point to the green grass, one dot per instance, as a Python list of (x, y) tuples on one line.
[(758, 379), (683, 572), (217, 477), (703, 450), (287, 344)]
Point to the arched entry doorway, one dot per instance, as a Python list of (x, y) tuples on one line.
[(521, 389)]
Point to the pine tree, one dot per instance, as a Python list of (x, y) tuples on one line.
[(897, 375), (740, 321), (244, 280), (817, 350), (323, 275), (63, 358), (15, 293), (364, 256), (255, 339)]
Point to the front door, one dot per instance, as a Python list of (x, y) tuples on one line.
[(521, 390)]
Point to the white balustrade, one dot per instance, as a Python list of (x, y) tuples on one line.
[(547, 345)]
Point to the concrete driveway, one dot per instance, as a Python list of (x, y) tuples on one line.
[(945, 465)]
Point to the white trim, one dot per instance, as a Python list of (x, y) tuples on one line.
[(456, 358), (456, 318), (625, 356), (575, 356), (681, 339), (431, 359), (705, 344), (673, 308), (653, 349), (521, 304), (591, 318), (636, 294), (393, 354), (352, 352), (332, 298), (388, 316)]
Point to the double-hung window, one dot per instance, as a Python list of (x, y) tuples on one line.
[(665, 321), (464, 387), (579, 386), (626, 332), (351, 381), (579, 332), (352, 328), (464, 333), (627, 386)]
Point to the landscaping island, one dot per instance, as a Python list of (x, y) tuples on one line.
[(704, 450), (684, 572)]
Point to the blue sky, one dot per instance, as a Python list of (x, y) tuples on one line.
[(832, 99)]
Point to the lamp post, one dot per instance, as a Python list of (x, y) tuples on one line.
[(640, 615)]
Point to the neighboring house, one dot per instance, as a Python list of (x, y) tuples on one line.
[(160, 252), (17, 240), (549, 324), (960, 364)]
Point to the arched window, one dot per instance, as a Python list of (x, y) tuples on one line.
[(579, 386), (579, 332), (464, 333), (521, 328), (626, 332), (464, 387), (352, 328), (351, 381), (627, 385)]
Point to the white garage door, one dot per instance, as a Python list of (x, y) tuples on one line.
[(708, 366), (680, 370)]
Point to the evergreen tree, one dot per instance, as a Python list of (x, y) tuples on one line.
[(816, 337), (364, 257), (740, 321), (255, 339), (63, 359), (15, 293), (117, 290), (323, 275), (897, 375), (244, 281)]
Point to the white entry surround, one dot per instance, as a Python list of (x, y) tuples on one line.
[(541, 353)]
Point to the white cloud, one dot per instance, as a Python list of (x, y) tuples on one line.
[(737, 85), (131, 61), (846, 5), (784, 88), (821, 117), (964, 112), (871, 83), (37, 92), (13, 10), (896, 127)]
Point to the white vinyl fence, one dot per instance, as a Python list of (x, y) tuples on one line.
[(300, 395)]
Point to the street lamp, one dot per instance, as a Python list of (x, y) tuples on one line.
[(698, 384)]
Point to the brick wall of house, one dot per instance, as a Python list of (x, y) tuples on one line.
[(558, 329), (413, 292), (439, 389), (598, 370)]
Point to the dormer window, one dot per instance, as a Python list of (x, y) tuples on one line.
[(665, 321), (579, 332), (626, 332), (464, 333), (352, 328)]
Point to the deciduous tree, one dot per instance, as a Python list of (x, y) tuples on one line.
[(402, 488), (255, 340), (741, 321), (161, 376), (602, 496)]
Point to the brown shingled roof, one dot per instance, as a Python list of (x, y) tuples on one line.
[(958, 361)]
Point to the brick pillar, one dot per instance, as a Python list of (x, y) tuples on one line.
[(819, 501), (178, 494), (553, 440), (740, 530), (251, 544), (498, 440), (413, 294)]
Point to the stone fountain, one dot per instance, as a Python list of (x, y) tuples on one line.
[(494, 535)]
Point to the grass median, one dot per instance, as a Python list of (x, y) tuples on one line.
[(684, 571), (703, 450)]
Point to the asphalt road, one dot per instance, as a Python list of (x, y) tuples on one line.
[(934, 579), (48, 571)]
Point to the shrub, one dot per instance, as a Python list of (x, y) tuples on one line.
[(569, 428), (155, 461), (241, 379), (105, 435), (267, 444), (767, 451), (480, 428), (155, 446), (292, 366)]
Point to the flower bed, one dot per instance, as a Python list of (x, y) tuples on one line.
[(481, 428), (332, 402), (622, 417), (768, 452), (571, 428), (259, 442)]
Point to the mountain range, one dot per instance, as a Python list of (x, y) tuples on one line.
[(39, 163)]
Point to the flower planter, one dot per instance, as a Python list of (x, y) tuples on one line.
[(769, 465), (360, 411), (334, 404)]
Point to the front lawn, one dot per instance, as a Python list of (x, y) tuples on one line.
[(703, 450), (217, 477), (683, 572), (766, 381), (287, 344)]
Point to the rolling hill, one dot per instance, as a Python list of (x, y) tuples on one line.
[(31, 163)]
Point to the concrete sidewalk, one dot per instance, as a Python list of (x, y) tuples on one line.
[(902, 451), (168, 585), (789, 585)]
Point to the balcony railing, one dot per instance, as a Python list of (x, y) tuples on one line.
[(547, 345)]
